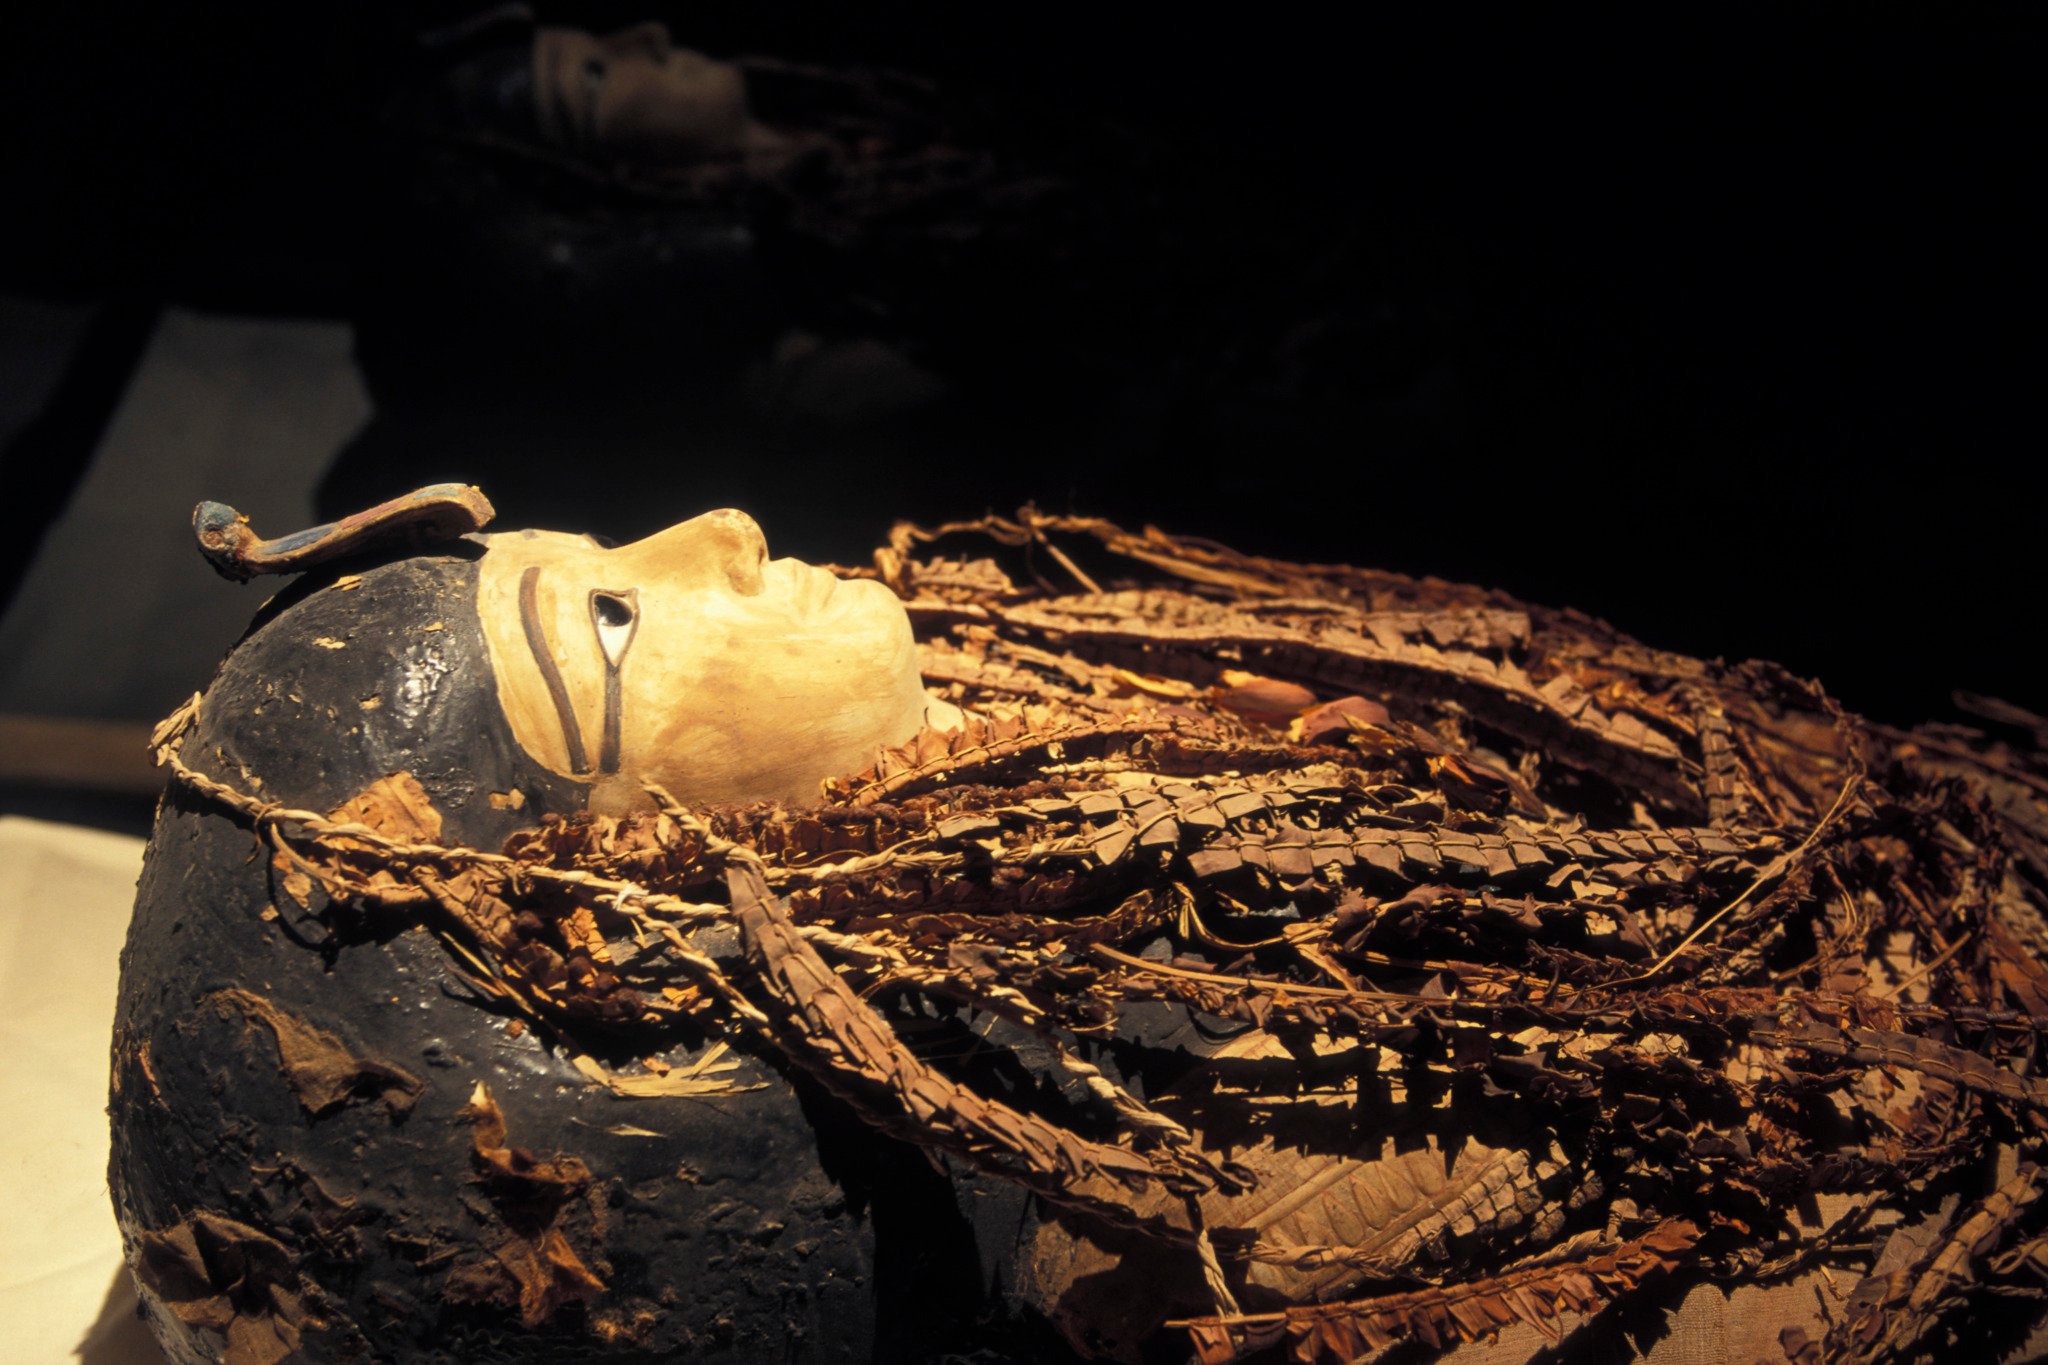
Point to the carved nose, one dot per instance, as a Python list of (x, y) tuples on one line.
[(747, 552), (726, 544)]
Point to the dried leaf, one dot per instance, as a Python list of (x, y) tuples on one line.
[(1338, 1333), (708, 1075), (225, 1277), (322, 1071), (530, 1265)]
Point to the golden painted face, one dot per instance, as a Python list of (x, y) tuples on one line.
[(692, 660)]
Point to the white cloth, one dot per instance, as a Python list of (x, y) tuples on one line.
[(65, 897)]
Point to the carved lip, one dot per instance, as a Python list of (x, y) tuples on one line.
[(810, 587)]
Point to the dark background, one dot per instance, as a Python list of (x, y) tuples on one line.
[(1721, 323)]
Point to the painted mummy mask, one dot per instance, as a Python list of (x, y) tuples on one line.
[(692, 660)]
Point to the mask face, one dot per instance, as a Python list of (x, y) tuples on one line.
[(634, 93), (692, 660)]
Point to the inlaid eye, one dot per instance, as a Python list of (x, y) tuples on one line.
[(616, 615)]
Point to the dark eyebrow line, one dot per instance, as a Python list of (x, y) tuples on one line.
[(550, 671)]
